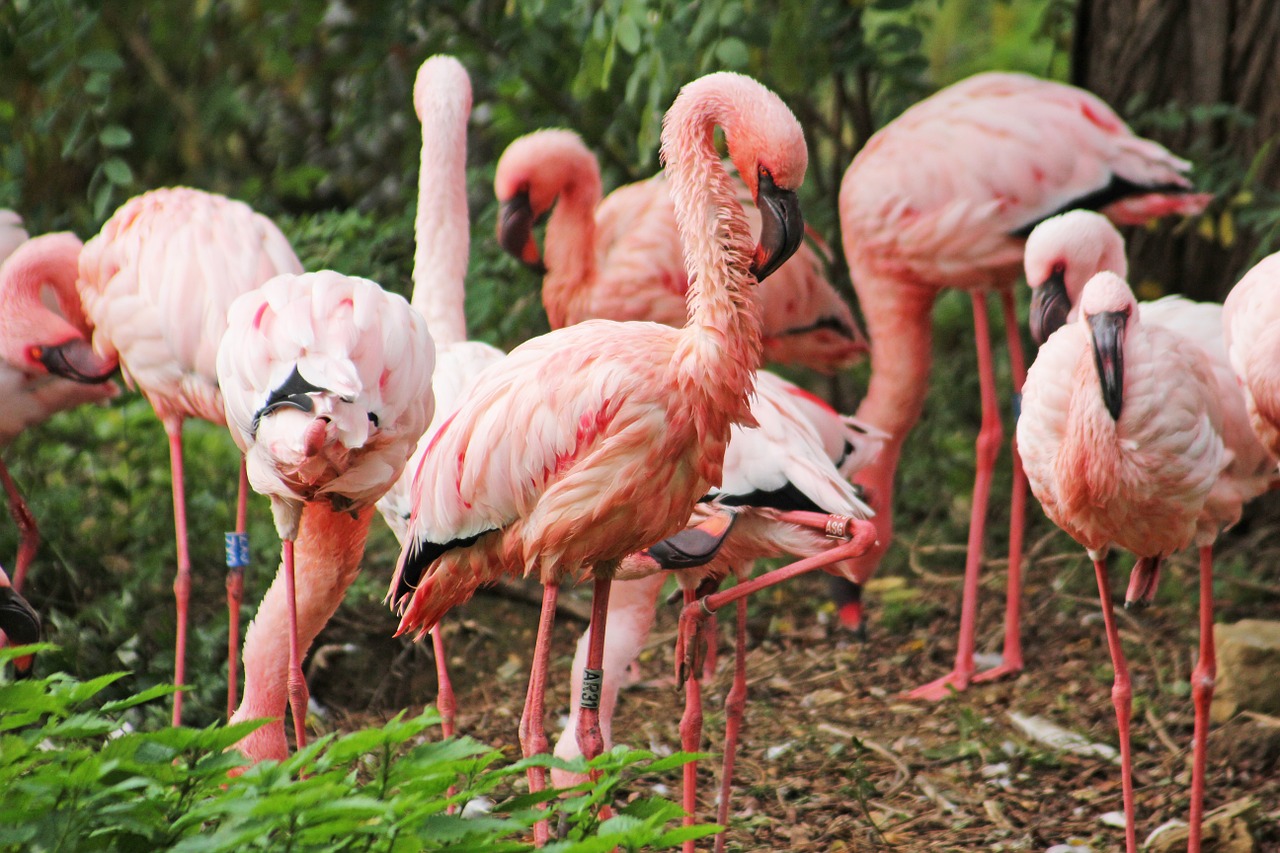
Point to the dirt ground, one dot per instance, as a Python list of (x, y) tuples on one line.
[(834, 759)]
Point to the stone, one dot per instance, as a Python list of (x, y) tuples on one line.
[(1248, 668)]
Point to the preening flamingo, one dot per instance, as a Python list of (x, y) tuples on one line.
[(156, 283), (1121, 436), (442, 100), (46, 363), (622, 425), (941, 197), (1251, 326), (327, 384), (619, 259), (796, 461)]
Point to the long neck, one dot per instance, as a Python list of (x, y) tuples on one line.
[(47, 264), (570, 250), (442, 228), (327, 559), (722, 339)]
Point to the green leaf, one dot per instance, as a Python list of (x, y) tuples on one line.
[(628, 34), (101, 60), (115, 136), (732, 52), (117, 171)]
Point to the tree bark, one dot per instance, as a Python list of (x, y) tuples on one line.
[(1188, 52)]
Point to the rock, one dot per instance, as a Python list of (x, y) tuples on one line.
[(1248, 668)]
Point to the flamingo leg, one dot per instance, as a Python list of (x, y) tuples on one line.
[(444, 687), (1122, 699), (533, 733), (1011, 658), (298, 696), (734, 705), (182, 581), (1202, 682), (690, 722), (28, 533), (237, 559), (990, 437), (590, 739)]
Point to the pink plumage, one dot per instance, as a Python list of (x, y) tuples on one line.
[(1251, 326), (942, 197), (619, 259)]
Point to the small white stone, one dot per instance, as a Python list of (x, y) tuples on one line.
[(773, 753), (477, 807), (1115, 819)]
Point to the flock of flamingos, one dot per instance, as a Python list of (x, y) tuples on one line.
[(639, 438)]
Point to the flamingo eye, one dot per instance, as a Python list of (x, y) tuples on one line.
[(35, 353)]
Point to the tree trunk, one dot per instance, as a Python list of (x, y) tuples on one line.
[(1189, 52)]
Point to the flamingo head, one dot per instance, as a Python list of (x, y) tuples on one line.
[(1062, 253), (73, 358), (1108, 308), (20, 623), (534, 173)]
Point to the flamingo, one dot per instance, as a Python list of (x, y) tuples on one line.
[(796, 461), (156, 283), (19, 623), (46, 363), (619, 259), (327, 385), (1251, 327), (621, 426), (1121, 434), (941, 197)]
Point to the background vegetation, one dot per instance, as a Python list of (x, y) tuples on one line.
[(303, 109)]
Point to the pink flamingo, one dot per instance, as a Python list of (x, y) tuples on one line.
[(941, 197), (796, 462), (619, 259), (623, 424), (1251, 327), (19, 624), (327, 384), (1121, 436), (442, 100), (46, 363), (156, 283)]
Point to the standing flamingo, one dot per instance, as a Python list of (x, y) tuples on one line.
[(621, 426), (783, 481), (1251, 326), (327, 385), (46, 363), (941, 197), (1121, 435), (156, 283), (619, 259)]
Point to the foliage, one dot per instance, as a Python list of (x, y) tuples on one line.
[(78, 775)]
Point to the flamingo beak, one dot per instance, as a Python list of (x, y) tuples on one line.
[(515, 232), (1107, 329), (1049, 306), (77, 361), (20, 623), (693, 546), (781, 227)]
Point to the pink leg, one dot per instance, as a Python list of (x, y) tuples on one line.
[(1202, 680), (444, 687), (298, 696), (590, 740), (690, 725), (734, 705), (990, 437), (28, 533), (1122, 698), (533, 733), (237, 559), (1011, 663), (182, 582)]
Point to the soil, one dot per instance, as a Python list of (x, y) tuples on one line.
[(833, 758)]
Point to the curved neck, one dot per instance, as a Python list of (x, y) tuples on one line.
[(442, 229), (48, 264), (723, 333), (570, 250)]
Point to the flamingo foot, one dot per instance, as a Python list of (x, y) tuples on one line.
[(1006, 669), (955, 681)]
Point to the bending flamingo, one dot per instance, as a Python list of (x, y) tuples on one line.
[(619, 259), (442, 100), (796, 462), (1121, 436), (623, 425), (327, 385), (156, 283), (1251, 326), (941, 197), (39, 346)]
